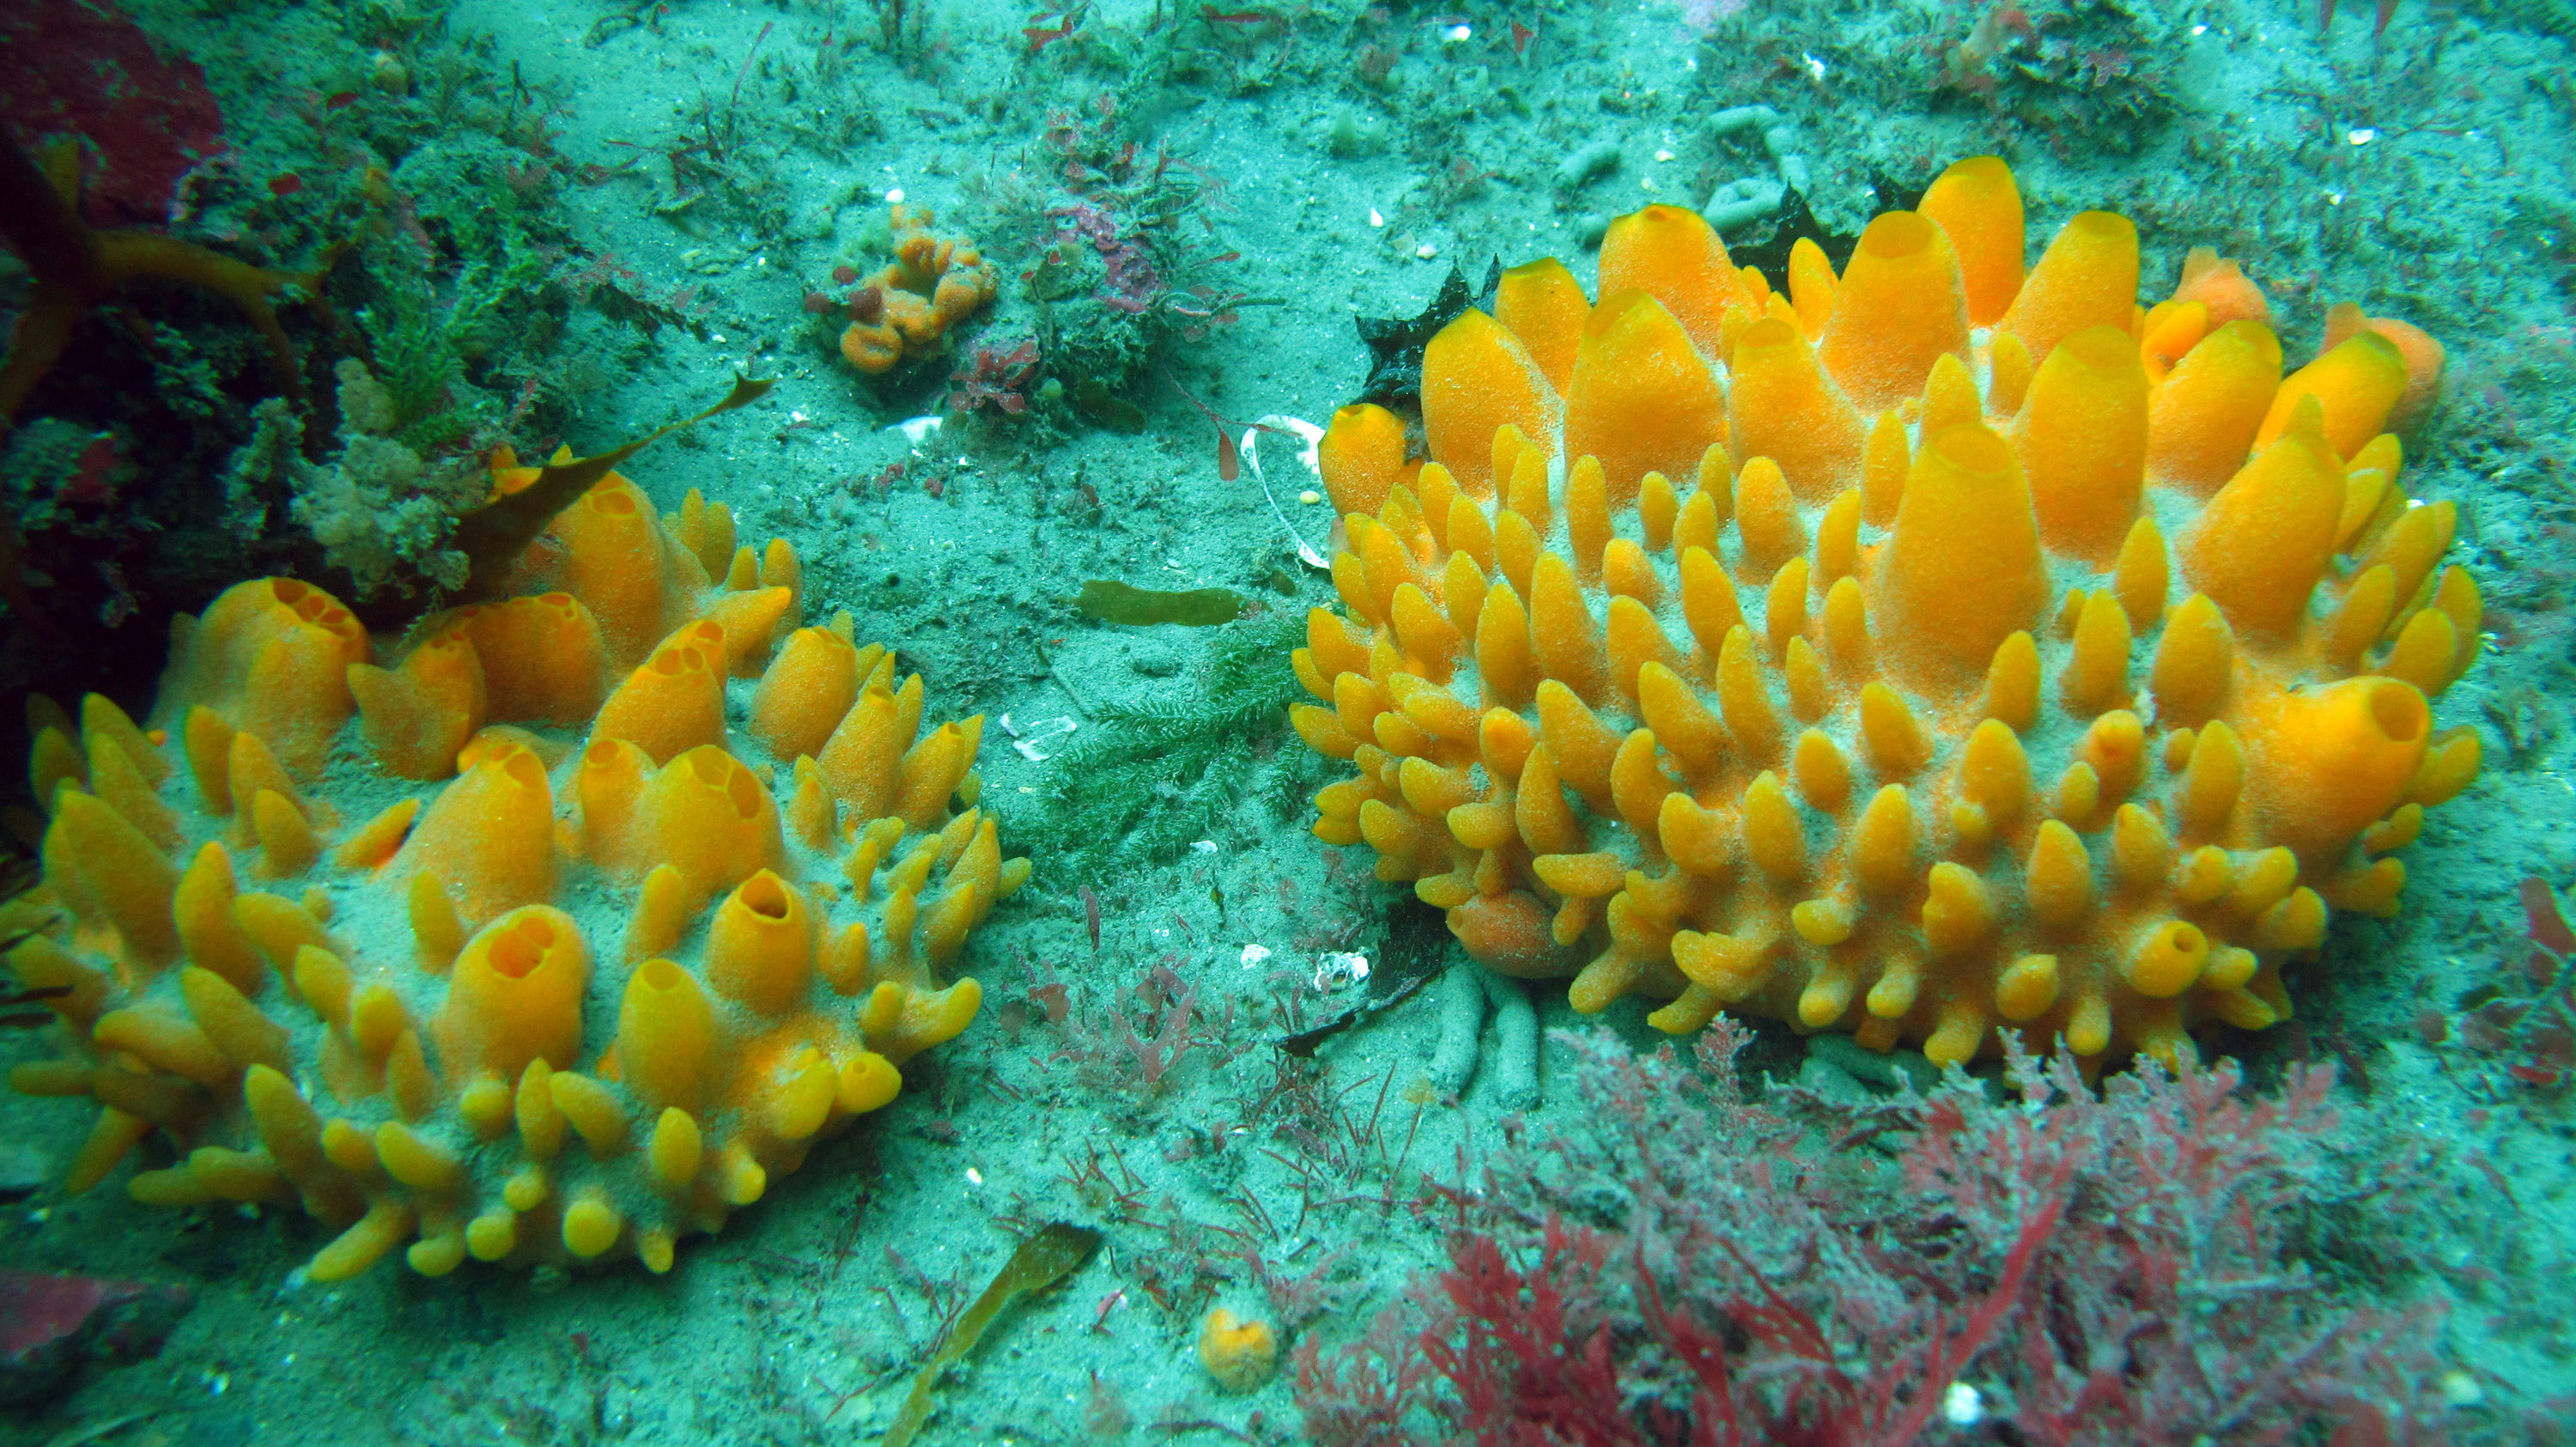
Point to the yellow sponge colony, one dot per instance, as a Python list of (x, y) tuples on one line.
[(389, 1015), (1926, 651)]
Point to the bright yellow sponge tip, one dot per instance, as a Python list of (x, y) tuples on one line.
[(590, 1226), (462, 1102), (1935, 651)]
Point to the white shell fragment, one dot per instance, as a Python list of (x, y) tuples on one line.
[(1339, 970), (1301, 462)]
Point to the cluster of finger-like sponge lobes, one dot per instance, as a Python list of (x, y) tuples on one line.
[(1927, 650), (906, 308), (400, 1025)]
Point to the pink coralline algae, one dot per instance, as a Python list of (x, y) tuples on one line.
[(1132, 283), (53, 1326), (1000, 378), (80, 71)]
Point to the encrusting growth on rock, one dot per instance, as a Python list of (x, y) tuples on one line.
[(1929, 650), (312, 924)]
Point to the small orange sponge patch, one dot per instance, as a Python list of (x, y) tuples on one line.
[(1925, 651), (1239, 1354), (906, 308), (394, 1021)]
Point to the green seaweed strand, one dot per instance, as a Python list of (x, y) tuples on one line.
[(1106, 600), (492, 535), (1057, 1251)]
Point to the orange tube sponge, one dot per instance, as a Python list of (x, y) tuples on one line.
[(1809, 728), (806, 692), (543, 658), (2357, 383), (270, 656), (760, 946), (2423, 356), (1901, 303), (1545, 307), (2223, 288), (616, 562), (2202, 418), (674, 701), (706, 815), (2327, 763), (1362, 458), (514, 996), (1477, 377), (116, 878), (489, 836), (932, 769), (667, 1035), (2082, 441), (1961, 570), (858, 761), (1976, 202), (459, 1109), (1672, 254), (2088, 277), (706, 531), (416, 716), (1239, 1353), (872, 347), (747, 620), (1782, 406), (1639, 399), (2263, 544)]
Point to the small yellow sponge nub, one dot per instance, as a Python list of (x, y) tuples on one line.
[(1239, 1353), (462, 1104), (1936, 651)]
